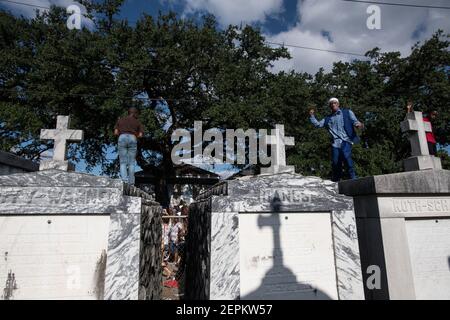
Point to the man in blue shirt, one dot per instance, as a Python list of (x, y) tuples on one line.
[(341, 125)]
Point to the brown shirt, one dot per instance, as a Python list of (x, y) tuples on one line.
[(129, 124)]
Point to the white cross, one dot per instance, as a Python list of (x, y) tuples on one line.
[(62, 134), (278, 144), (417, 129)]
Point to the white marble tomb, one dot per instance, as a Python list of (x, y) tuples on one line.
[(404, 218), (403, 222), (274, 236), (67, 235)]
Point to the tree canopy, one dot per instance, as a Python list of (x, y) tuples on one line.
[(222, 77)]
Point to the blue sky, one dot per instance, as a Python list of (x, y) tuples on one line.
[(274, 24), (331, 25)]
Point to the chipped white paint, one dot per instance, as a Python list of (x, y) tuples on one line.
[(53, 257)]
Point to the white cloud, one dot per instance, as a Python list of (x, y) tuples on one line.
[(236, 11), (29, 10), (346, 24), (305, 60)]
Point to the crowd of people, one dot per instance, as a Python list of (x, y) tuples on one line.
[(174, 231)]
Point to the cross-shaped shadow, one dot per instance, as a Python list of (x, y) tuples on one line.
[(280, 283)]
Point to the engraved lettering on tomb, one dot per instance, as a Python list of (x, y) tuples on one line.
[(420, 205)]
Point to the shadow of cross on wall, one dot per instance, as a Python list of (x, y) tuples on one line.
[(280, 283)]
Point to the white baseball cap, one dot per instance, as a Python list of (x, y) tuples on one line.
[(333, 100)]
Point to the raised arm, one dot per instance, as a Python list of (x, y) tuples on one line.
[(314, 121), (409, 107)]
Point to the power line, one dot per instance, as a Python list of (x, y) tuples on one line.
[(25, 4), (356, 1), (315, 49), (287, 44), (398, 4), (268, 42), (88, 95)]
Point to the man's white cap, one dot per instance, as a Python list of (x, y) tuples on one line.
[(333, 100)]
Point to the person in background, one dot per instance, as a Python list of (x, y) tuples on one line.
[(180, 263), (128, 129), (429, 116), (180, 244), (341, 125), (166, 229), (185, 211), (173, 238)]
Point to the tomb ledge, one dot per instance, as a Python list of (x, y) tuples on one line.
[(412, 182)]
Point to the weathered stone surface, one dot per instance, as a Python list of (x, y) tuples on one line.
[(57, 178), (214, 271), (61, 135), (150, 272), (198, 246), (417, 129), (395, 213), (10, 163), (122, 264), (297, 193), (56, 165), (422, 163), (417, 182), (133, 263)]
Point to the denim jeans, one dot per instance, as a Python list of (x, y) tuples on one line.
[(340, 156), (127, 156)]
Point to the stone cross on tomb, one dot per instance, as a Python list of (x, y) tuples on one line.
[(420, 156), (61, 136), (278, 143)]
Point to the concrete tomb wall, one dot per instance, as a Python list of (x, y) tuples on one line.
[(54, 257), (429, 249), (281, 236), (303, 249), (403, 220), (66, 235), (10, 164)]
